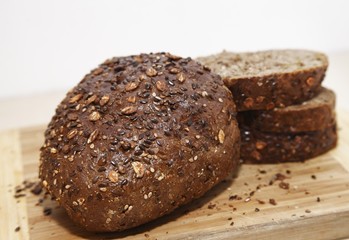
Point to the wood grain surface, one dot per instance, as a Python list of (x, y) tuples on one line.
[(315, 204)]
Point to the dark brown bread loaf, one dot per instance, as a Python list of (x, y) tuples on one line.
[(267, 79), (138, 137), (263, 147), (313, 115)]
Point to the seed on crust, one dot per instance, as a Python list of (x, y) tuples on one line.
[(131, 99), (151, 72), (131, 86), (81, 201), (174, 70), (53, 150), (161, 86), (72, 116), (44, 183), (72, 133), (92, 136), (180, 77), (97, 71), (113, 176), (221, 136), (142, 77), (129, 110), (75, 98), (94, 116), (172, 57), (104, 100), (91, 99), (139, 169), (52, 133)]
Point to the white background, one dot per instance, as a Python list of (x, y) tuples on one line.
[(50, 45)]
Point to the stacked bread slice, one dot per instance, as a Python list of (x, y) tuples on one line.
[(284, 113)]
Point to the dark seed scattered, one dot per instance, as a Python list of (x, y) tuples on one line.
[(112, 149), (284, 185), (126, 146), (151, 152), (272, 201), (37, 189), (211, 206), (95, 179), (102, 185), (138, 152), (47, 211), (147, 86), (233, 197), (157, 99), (102, 169), (126, 160), (158, 142), (19, 195), (148, 142)]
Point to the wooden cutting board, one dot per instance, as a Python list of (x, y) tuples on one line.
[(315, 206)]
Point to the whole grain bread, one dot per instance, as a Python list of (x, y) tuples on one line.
[(266, 147), (138, 137), (313, 115), (267, 79)]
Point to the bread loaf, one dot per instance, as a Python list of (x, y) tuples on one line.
[(267, 79), (315, 114), (138, 137)]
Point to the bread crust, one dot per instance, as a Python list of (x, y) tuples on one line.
[(267, 90), (138, 137), (265, 147), (313, 115)]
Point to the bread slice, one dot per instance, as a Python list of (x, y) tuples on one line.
[(312, 115), (263, 147), (267, 79)]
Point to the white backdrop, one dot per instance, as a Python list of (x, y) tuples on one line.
[(48, 45)]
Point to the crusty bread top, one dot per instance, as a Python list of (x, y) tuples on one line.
[(138, 137), (251, 64)]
